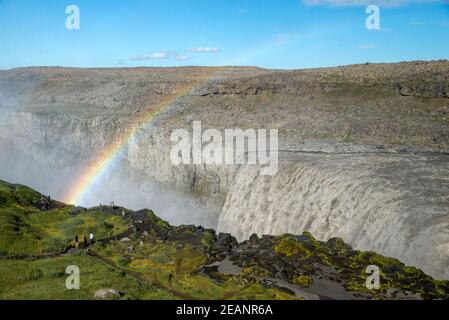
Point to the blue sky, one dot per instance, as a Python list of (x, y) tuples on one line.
[(267, 33)]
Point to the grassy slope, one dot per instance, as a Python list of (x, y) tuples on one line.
[(45, 279), (157, 271), (26, 230)]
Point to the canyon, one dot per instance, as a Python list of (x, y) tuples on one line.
[(363, 149)]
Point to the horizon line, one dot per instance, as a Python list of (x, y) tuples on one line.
[(226, 66)]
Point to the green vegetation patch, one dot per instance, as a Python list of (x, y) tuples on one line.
[(290, 247), (45, 279), (303, 281), (25, 229), (173, 267)]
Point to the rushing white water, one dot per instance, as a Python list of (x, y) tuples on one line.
[(395, 205)]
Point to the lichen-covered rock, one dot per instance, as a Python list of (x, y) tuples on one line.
[(299, 260), (303, 281)]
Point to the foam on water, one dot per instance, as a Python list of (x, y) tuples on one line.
[(395, 205)]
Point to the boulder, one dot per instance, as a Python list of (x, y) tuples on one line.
[(253, 239), (226, 242), (107, 294)]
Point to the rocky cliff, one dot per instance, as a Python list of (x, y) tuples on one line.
[(363, 148)]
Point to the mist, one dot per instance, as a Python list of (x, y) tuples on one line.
[(122, 185)]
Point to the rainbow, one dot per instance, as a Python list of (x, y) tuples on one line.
[(105, 160)]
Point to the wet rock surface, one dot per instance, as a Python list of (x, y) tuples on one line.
[(298, 264)]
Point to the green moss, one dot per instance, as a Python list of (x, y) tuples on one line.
[(158, 221), (174, 268), (291, 247), (325, 255), (311, 238), (358, 284), (384, 263), (255, 271), (209, 239), (303, 281), (337, 244), (256, 291)]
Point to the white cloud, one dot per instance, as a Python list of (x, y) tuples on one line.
[(161, 55), (385, 3), (181, 57), (174, 55), (367, 46), (204, 50), (152, 56)]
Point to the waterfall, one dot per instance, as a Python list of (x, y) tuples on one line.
[(394, 204), (389, 204)]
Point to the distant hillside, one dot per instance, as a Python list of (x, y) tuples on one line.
[(385, 104)]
